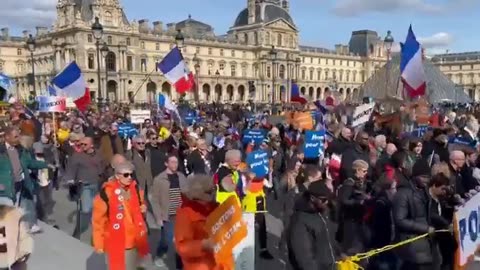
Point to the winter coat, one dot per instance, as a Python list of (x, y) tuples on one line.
[(190, 230), (159, 195), (106, 148), (411, 213), (310, 239), (349, 156), (338, 146), (381, 223), (18, 241), (143, 168), (6, 174)]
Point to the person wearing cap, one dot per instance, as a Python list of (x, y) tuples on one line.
[(191, 237), (118, 226), (412, 218), (311, 244)]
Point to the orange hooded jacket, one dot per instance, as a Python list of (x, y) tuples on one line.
[(190, 231)]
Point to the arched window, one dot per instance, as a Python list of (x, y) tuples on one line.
[(108, 17), (281, 72), (279, 40), (245, 38), (111, 62), (372, 49)]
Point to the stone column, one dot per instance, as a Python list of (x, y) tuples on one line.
[(58, 64), (67, 55)]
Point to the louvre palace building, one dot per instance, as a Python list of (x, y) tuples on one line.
[(255, 60)]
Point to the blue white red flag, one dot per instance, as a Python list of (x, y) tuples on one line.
[(6, 83), (176, 71), (411, 66), (296, 96), (70, 83), (51, 90)]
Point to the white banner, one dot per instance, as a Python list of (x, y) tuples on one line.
[(467, 229), (362, 113), (139, 116), (244, 252)]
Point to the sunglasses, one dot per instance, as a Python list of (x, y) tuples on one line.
[(84, 144), (127, 175), (141, 143)]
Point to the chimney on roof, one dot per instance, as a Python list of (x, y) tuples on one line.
[(338, 49), (25, 33), (143, 26), (171, 27), (157, 27), (5, 32), (41, 31)]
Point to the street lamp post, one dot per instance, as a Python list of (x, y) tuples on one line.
[(97, 30), (273, 56), (196, 94), (388, 42), (217, 75), (105, 50), (31, 44)]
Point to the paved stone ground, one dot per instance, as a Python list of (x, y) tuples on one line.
[(57, 250)]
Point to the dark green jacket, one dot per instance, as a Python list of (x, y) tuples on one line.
[(6, 174)]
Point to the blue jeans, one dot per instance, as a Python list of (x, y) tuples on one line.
[(166, 241), (86, 198)]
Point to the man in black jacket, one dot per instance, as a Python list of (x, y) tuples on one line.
[(360, 150), (310, 240), (412, 216)]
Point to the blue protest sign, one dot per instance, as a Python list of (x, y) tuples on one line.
[(258, 163), (420, 131), (255, 135), (191, 118), (314, 143)]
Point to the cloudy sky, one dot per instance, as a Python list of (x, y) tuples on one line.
[(439, 24)]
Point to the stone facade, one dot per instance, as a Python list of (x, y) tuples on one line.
[(463, 69), (228, 64)]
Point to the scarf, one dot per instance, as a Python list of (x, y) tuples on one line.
[(116, 241)]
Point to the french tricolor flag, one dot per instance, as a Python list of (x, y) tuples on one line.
[(296, 96), (176, 71), (411, 66), (70, 83)]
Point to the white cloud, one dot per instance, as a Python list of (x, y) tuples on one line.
[(350, 8), (438, 40), (26, 14)]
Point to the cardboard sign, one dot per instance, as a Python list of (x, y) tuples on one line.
[(51, 104), (226, 228), (139, 116), (466, 224), (314, 143), (303, 120), (258, 163), (362, 114)]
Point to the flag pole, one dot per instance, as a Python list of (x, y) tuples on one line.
[(144, 81)]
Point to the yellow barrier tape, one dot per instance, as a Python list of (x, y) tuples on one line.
[(351, 262)]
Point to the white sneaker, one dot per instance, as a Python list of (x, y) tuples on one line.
[(35, 229), (159, 262)]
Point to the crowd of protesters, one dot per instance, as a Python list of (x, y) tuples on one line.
[(371, 188)]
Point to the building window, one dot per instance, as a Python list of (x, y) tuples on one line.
[(129, 42), (269, 73), (347, 76), (90, 38), (19, 51), (91, 61), (129, 63), (319, 75), (326, 74), (311, 75), (303, 74), (209, 51), (334, 75), (111, 62), (142, 45), (244, 71), (244, 54), (210, 67), (233, 53), (303, 59), (157, 46), (233, 70), (1, 66), (197, 50), (334, 62), (222, 66), (281, 72), (21, 68), (221, 52), (143, 64), (109, 40), (246, 38), (279, 40), (328, 61)]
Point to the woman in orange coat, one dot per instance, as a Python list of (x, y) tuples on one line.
[(118, 224), (191, 237)]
